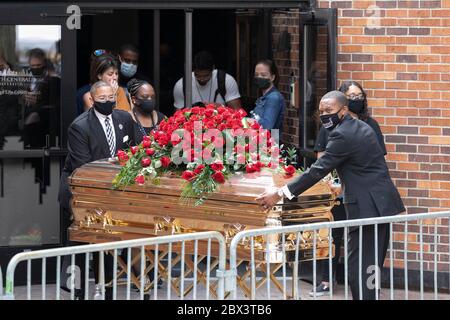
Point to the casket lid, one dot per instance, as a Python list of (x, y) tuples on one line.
[(241, 187)]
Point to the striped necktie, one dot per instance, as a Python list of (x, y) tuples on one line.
[(110, 137)]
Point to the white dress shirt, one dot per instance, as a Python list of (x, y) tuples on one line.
[(101, 118)]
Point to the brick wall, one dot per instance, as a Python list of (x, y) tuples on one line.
[(400, 52)]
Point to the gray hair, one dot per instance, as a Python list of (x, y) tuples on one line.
[(97, 85), (338, 96)]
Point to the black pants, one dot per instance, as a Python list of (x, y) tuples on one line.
[(337, 234), (368, 283)]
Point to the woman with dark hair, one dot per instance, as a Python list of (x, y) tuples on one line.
[(143, 112), (357, 108), (269, 108), (104, 67)]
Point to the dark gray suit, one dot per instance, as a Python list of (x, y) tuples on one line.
[(368, 191)]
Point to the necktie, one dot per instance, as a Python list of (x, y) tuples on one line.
[(110, 137)]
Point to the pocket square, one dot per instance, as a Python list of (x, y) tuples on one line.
[(120, 126), (125, 139)]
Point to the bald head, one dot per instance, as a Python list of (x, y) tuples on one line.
[(337, 96), (332, 102)]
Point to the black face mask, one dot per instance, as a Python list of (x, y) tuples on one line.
[(356, 106), (37, 71), (262, 83), (104, 108), (145, 106), (330, 121)]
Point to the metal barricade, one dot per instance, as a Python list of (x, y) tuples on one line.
[(379, 226), (157, 257)]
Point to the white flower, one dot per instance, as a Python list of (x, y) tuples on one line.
[(158, 164), (125, 139)]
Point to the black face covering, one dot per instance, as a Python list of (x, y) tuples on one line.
[(330, 121), (356, 106), (37, 71), (145, 106), (104, 108), (262, 83)]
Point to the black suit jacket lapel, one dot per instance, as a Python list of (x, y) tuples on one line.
[(98, 134), (118, 129)]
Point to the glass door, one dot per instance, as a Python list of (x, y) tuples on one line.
[(318, 50), (37, 103)]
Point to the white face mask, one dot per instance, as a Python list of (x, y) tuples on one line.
[(128, 69)]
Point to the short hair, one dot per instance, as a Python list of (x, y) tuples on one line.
[(134, 85), (272, 68), (102, 63), (203, 60), (97, 85), (336, 95), (37, 53), (345, 86), (128, 47)]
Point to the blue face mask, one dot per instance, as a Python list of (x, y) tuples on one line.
[(128, 69)]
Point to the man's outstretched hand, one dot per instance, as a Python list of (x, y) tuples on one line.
[(268, 199)]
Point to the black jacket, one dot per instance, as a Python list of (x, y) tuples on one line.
[(86, 142), (354, 151)]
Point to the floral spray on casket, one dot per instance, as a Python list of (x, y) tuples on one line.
[(205, 146)]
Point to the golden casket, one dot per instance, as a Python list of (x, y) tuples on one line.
[(102, 214)]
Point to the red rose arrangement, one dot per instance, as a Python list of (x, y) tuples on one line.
[(204, 146)]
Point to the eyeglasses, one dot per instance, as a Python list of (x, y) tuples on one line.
[(99, 52), (356, 96)]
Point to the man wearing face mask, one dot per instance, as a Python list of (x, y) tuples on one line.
[(368, 191), (129, 63), (209, 85), (96, 134), (143, 112), (357, 108)]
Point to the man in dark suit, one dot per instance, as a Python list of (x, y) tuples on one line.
[(96, 134), (368, 191)]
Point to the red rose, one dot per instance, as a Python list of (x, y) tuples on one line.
[(218, 176), (289, 170), (150, 151), (188, 175), (165, 161), (134, 149), (123, 156), (145, 162), (140, 179), (163, 140), (222, 126), (242, 113), (221, 110), (199, 169), (146, 143), (209, 112), (217, 166), (255, 125), (250, 168)]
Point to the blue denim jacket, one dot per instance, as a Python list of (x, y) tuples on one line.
[(269, 110)]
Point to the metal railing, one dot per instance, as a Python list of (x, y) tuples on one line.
[(249, 236), (149, 256)]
